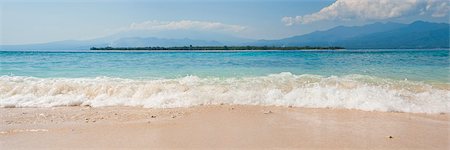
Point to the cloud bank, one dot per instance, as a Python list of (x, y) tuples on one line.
[(156, 25), (373, 10)]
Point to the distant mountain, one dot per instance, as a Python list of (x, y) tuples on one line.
[(224, 39), (138, 39), (416, 35), (59, 45), (151, 41), (121, 42), (378, 35)]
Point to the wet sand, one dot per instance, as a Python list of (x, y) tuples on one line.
[(242, 127)]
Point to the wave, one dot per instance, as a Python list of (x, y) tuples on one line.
[(285, 89)]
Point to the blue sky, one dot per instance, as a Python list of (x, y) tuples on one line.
[(37, 21)]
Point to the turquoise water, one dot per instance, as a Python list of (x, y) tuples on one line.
[(421, 65), (373, 80)]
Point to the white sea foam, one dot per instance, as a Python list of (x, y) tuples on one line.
[(284, 89)]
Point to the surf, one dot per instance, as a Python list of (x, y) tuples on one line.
[(353, 91)]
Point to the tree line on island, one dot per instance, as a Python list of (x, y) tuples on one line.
[(220, 48)]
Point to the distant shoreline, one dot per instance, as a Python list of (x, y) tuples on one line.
[(217, 48)]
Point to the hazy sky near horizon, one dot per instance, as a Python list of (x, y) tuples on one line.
[(38, 21)]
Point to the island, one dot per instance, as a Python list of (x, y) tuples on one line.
[(220, 48)]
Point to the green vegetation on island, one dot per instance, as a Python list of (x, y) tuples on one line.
[(220, 48)]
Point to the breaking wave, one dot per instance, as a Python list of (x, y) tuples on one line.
[(284, 89)]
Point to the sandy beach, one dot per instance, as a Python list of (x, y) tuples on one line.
[(225, 126)]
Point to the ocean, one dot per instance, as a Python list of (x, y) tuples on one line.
[(373, 80)]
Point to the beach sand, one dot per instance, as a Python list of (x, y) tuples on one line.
[(224, 126)]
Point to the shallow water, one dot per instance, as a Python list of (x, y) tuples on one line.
[(422, 65)]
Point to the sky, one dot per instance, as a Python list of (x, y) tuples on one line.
[(40, 21)]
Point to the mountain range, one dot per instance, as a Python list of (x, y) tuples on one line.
[(418, 34)]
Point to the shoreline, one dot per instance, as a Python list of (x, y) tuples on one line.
[(207, 48), (219, 126)]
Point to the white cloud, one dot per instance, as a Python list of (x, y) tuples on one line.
[(156, 25), (372, 10)]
